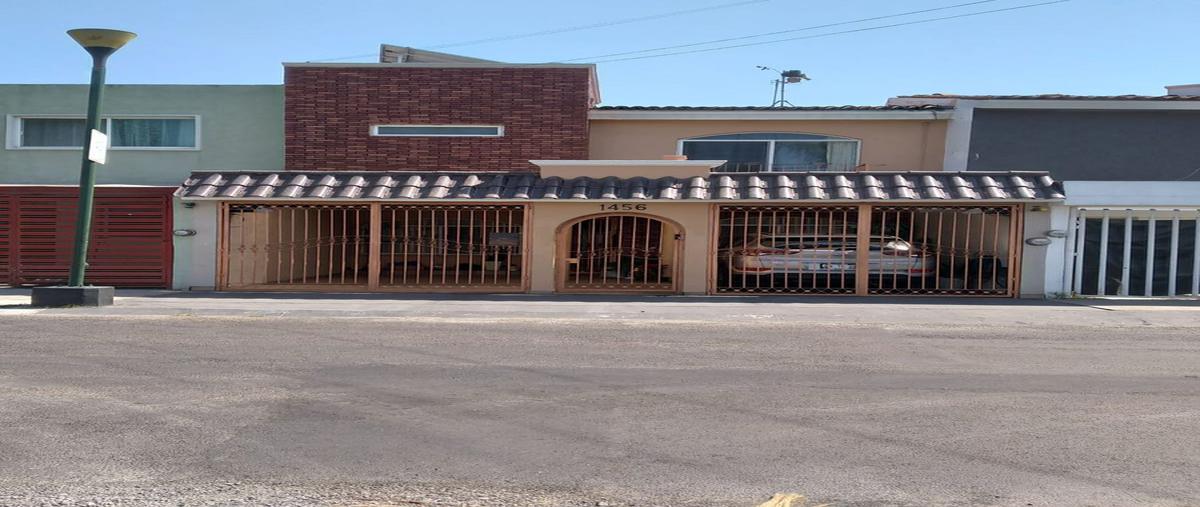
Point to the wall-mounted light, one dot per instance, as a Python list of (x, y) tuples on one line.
[(189, 205), (184, 232), (1038, 241), (1038, 207), (1056, 233)]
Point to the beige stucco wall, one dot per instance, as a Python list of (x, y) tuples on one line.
[(692, 218), (887, 145)]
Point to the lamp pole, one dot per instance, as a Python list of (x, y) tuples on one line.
[(100, 43)]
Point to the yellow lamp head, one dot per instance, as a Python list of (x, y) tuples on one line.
[(101, 38)]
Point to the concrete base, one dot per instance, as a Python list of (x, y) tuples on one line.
[(60, 296)]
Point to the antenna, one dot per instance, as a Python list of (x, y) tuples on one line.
[(786, 77)]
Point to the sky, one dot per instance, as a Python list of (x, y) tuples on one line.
[(1098, 47)]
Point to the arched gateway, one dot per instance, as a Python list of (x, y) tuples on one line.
[(620, 252)]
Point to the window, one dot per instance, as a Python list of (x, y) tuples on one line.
[(153, 132), (53, 132), (438, 130), (754, 152), (125, 133)]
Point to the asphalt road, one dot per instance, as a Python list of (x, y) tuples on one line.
[(580, 412)]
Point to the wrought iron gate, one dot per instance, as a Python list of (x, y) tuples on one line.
[(461, 247), (373, 247), (626, 253), (866, 249)]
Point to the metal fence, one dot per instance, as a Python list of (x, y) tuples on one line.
[(295, 246), (865, 249), (1135, 252), (786, 249), (620, 253), (468, 247), (372, 247), (951, 250)]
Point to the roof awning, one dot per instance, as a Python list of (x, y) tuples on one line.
[(717, 187)]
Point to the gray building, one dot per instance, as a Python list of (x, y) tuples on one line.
[(1130, 225)]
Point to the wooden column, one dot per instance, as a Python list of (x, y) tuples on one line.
[(862, 251), (374, 244)]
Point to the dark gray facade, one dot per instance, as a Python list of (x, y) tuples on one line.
[(1088, 145)]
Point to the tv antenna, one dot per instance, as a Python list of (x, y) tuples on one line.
[(786, 77)]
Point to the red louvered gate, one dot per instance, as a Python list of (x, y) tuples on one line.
[(130, 245), (5, 243)]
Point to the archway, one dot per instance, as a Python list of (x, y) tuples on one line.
[(620, 252)]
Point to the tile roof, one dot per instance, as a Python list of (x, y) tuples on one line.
[(922, 107), (1054, 96), (796, 186)]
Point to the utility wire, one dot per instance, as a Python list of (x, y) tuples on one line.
[(602, 24), (780, 32), (867, 29)]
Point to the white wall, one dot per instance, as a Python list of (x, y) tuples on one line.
[(195, 256), (1117, 195), (1132, 193)]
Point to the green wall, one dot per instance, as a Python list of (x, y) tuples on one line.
[(241, 128)]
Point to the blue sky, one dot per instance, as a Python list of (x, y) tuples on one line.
[(1079, 47)]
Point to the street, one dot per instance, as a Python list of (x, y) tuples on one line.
[(1075, 405)]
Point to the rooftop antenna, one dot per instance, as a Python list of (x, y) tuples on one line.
[(786, 77)]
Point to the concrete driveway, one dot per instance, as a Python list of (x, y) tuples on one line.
[(586, 402)]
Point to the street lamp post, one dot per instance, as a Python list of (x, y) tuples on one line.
[(100, 43)]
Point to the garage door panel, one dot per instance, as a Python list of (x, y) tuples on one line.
[(130, 243)]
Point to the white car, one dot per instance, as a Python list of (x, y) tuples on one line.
[(809, 254)]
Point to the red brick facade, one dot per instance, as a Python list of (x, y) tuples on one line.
[(329, 111)]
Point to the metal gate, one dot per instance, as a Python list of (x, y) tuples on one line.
[(866, 249), (948, 250), (1135, 252), (357, 247), (296, 246), (453, 247), (131, 243), (787, 249), (622, 253)]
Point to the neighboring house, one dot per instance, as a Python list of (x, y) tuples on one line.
[(159, 134), (432, 172), (1129, 224)]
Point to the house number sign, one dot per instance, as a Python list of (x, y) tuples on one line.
[(623, 207)]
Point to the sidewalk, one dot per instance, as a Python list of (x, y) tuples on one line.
[(732, 310)]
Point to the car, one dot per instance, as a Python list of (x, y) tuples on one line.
[(825, 255)]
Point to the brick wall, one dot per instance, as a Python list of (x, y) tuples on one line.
[(329, 111)]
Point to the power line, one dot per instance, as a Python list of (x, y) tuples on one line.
[(817, 36), (554, 31), (780, 32), (601, 24)]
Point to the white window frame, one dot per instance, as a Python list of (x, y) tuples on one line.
[(499, 131), (14, 125), (771, 144)]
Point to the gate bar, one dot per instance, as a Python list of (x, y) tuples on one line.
[(1102, 274), (1126, 253), (1171, 268), (1150, 255), (1196, 262), (1081, 232)]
